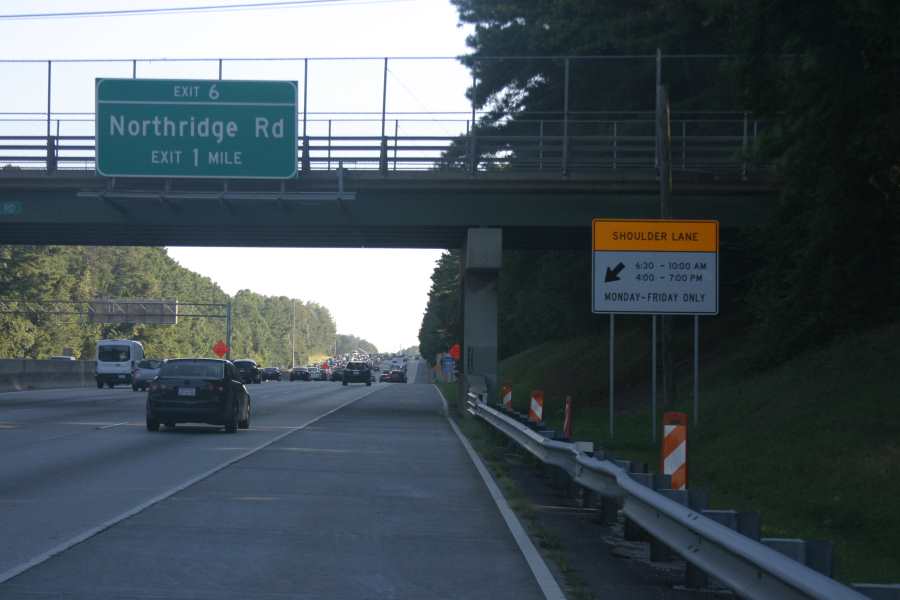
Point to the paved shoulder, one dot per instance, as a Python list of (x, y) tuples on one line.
[(378, 500)]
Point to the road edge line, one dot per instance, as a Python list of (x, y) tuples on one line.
[(542, 574), (88, 534)]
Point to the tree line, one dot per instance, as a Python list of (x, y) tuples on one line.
[(261, 324), (824, 75)]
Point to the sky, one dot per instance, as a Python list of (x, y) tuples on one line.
[(386, 313)]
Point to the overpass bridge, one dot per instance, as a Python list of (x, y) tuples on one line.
[(404, 176), (402, 160)]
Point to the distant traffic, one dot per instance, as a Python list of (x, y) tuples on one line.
[(213, 391)]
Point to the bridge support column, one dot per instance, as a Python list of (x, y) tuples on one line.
[(482, 259)]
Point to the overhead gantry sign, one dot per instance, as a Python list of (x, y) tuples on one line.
[(196, 128), (656, 267)]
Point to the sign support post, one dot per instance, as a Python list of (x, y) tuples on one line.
[(696, 369), (653, 378), (656, 267), (612, 374)]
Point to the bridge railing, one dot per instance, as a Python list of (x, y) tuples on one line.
[(416, 113), (701, 142)]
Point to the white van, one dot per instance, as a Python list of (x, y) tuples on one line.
[(115, 361)]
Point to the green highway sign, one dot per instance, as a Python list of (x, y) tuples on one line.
[(196, 128)]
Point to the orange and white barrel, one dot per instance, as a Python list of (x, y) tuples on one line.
[(506, 396), (674, 448), (536, 408)]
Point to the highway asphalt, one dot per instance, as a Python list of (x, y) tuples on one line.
[(334, 492)]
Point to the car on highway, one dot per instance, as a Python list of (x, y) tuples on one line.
[(61, 357), (357, 372), (337, 373), (115, 361), (271, 374), (248, 371), (299, 374), (144, 372), (198, 390), (397, 376), (385, 376), (315, 373)]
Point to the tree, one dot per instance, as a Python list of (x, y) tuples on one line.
[(441, 324), (826, 75)]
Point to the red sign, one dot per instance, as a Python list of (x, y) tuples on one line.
[(454, 351), (220, 349)]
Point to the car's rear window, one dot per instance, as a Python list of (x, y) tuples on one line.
[(356, 365), (113, 353), (201, 369), (244, 363)]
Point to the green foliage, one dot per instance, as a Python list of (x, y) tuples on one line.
[(442, 325), (833, 251), (261, 324), (347, 344), (822, 76), (810, 444)]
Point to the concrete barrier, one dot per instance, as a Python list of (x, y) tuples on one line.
[(24, 374)]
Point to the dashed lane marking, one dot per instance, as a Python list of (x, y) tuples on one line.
[(93, 531)]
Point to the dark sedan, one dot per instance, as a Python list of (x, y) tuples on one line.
[(299, 373), (249, 371), (198, 390), (271, 374), (397, 376), (357, 372)]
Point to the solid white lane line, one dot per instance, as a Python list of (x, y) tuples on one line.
[(539, 568), (86, 535)]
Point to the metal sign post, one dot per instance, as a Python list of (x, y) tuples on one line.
[(653, 378), (696, 369), (656, 267), (612, 374)]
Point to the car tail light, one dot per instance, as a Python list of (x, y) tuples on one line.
[(155, 386), (215, 387)]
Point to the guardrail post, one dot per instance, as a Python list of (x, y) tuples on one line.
[(304, 162), (609, 510), (396, 132), (382, 157), (52, 153)]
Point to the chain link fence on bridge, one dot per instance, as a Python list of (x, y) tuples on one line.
[(412, 113)]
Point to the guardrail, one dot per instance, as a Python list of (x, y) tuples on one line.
[(704, 143), (748, 567)]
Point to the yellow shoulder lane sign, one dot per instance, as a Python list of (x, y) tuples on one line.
[(655, 266)]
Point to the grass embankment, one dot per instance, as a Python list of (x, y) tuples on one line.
[(813, 445)]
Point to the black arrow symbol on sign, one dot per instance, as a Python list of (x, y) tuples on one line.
[(613, 274)]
